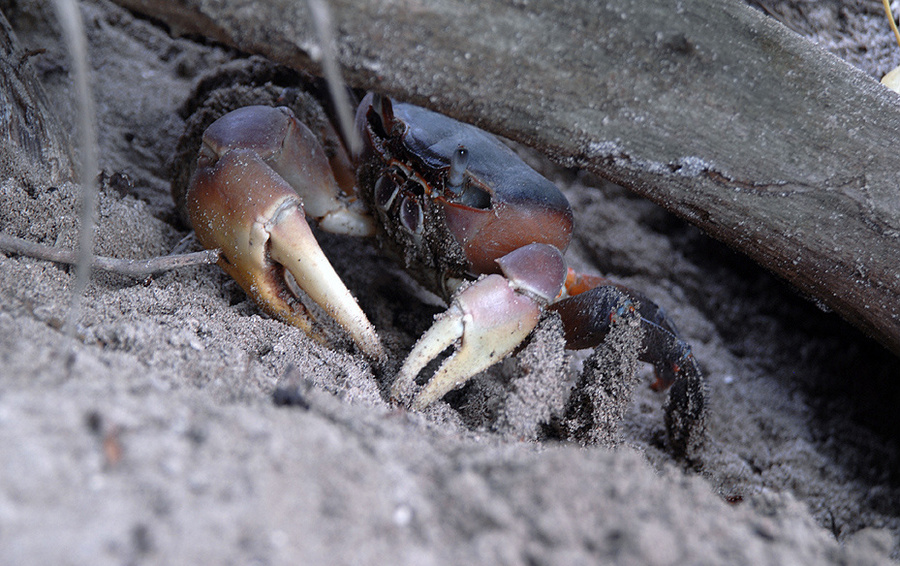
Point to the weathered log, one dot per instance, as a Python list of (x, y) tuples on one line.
[(34, 146), (707, 107)]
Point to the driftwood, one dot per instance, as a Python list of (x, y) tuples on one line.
[(704, 106), (33, 144)]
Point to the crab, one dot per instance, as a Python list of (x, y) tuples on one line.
[(462, 213)]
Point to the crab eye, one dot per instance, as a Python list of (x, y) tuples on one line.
[(465, 193), (456, 176)]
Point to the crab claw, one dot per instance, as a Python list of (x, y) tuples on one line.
[(489, 318), (239, 203)]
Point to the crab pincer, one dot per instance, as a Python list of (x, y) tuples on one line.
[(489, 318), (260, 172)]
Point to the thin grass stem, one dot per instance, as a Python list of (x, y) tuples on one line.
[(73, 30)]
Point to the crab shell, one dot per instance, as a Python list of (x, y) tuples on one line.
[(449, 222)]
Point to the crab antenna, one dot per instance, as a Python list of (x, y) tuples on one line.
[(458, 162)]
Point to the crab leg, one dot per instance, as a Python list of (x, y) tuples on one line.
[(587, 316), (488, 319), (244, 199)]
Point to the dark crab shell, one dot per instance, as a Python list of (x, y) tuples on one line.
[(505, 204)]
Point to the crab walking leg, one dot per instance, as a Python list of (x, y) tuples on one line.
[(489, 318), (586, 321), (236, 202)]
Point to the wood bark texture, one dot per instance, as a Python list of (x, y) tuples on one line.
[(34, 146), (706, 107)]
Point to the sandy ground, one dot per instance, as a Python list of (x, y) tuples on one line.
[(183, 426)]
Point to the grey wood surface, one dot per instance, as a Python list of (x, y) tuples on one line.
[(34, 147)]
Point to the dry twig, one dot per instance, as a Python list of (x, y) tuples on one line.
[(128, 267)]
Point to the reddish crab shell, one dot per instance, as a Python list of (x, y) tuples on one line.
[(451, 196)]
